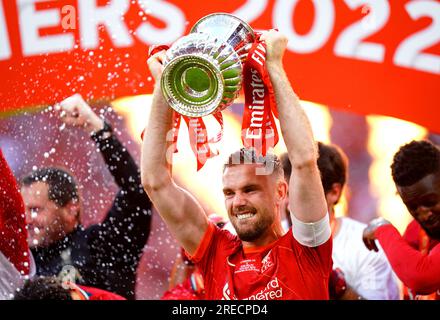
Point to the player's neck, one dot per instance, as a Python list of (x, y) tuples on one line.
[(270, 236)]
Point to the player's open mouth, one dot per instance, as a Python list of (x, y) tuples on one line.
[(244, 216)]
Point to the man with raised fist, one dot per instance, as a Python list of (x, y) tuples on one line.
[(104, 255)]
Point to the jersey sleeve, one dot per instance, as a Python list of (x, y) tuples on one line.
[(204, 245), (318, 258), (213, 250), (417, 271)]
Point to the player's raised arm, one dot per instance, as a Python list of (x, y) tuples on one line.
[(179, 209)]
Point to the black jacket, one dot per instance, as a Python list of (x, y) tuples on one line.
[(107, 254)]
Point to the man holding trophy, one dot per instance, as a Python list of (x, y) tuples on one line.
[(261, 262)]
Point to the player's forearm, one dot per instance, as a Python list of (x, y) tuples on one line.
[(307, 196), (155, 168), (295, 126)]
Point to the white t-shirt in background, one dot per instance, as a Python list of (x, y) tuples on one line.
[(367, 272)]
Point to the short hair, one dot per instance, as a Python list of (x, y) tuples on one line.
[(62, 185), (414, 161), (249, 156), (332, 163), (43, 288)]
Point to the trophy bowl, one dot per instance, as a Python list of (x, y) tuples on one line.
[(203, 70)]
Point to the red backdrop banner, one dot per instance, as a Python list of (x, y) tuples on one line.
[(366, 56)]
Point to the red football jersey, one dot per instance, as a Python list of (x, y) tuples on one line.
[(417, 238), (418, 269), (282, 270), (412, 236), (182, 291)]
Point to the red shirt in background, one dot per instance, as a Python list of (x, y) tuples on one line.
[(282, 270), (98, 294), (13, 233), (418, 269), (184, 291), (414, 235), (190, 289)]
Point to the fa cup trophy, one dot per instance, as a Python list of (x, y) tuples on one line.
[(203, 70)]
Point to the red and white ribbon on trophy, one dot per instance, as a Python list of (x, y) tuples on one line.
[(258, 127), (259, 130)]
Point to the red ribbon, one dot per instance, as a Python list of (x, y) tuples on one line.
[(198, 138), (258, 128)]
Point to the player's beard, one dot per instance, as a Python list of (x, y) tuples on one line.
[(264, 221)]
